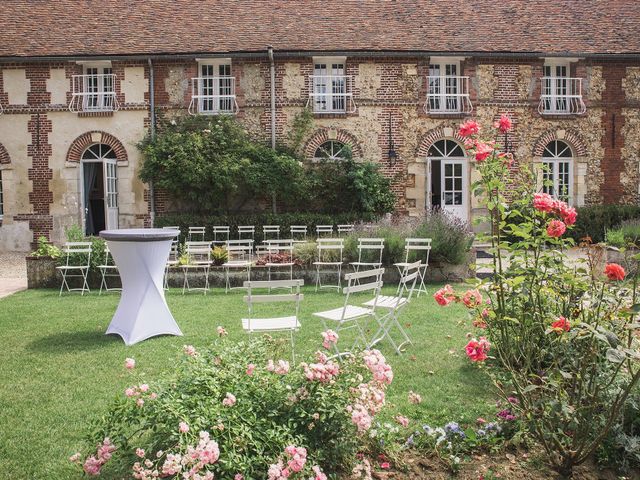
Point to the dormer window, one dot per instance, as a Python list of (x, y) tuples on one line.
[(330, 90), (214, 90), (559, 93), (94, 90), (447, 90)]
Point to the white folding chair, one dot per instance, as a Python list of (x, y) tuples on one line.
[(220, 234), (196, 234), (349, 316), (246, 231), (394, 306), (414, 248), (78, 260), (275, 248), (199, 254), (240, 257), (288, 323), (369, 253), (172, 261), (108, 270), (329, 262), (345, 229), (298, 233), (270, 232), (324, 230)]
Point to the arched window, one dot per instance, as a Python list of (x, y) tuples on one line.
[(331, 150), (99, 151), (557, 161), (100, 188), (446, 148)]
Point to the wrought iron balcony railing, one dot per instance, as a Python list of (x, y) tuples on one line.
[(561, 96), (93, 93), (448, 94), (213, 96), (331, 94)]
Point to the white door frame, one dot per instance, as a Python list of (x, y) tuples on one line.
[(111, 218), (463, 210)]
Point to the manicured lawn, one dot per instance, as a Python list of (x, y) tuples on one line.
[(59, 371)]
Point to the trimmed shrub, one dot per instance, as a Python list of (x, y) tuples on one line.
[(594, 221)]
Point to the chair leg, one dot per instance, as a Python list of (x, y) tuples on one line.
[(64, 282), (185, 282), (317, 277), (85, 285), (206, 280)]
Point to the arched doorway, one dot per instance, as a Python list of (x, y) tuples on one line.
[(448, 181), (99, 189), (557, 174)]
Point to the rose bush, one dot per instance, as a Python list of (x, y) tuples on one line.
[(237, 411), (561, 339)]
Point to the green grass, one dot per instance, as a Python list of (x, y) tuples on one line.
[(59, 371)]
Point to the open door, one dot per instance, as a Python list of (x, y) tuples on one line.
[(111, 193)]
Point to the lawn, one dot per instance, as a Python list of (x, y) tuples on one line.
[(59, 371)]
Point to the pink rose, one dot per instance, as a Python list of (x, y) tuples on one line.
[(144, 387), (483, 150), (140, 402), (330, 338), (477, 349), (130, 392), (472, 298), (238, 476), (504, 124), (444, 296), (129, 363), (468, 128), (568, 214), (250, 369), (184, 428), (543, 202), (556, 228), (402, 420), (282, 368)]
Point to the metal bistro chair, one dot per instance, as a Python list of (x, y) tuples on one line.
[(221, 234), (199, 254), (278, 247), (172, 261), (345, 229), (394, 306), (78, 260), (330, 261), (298, 233), (108, 270), (196, 232), (349, 316), (414, 247), (324, 230), (240, 257), (369, 253), (246, 231), (270, 232), (289, 323)]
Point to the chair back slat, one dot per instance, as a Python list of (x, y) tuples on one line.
[(273, 283), (363, 287), (281, 297), (364, 274)]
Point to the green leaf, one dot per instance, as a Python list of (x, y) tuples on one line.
[(615, 356)]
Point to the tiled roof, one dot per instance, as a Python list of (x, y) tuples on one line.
[(30, 28)]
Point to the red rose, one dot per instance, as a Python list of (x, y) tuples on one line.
[(477, 349), (613, 271), (561, 325), (556, 228), (504, 124), (469, 128)]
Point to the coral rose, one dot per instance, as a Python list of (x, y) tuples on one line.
[(444, 296), (472, 298), (477, 349), (543, 202), (504, 124), (483, 150), (556, 228), (469, 128), (561, 325), (613, 271)]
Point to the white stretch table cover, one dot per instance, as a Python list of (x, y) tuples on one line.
[(141, 256)]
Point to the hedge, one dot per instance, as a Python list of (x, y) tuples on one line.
[(594, 221)]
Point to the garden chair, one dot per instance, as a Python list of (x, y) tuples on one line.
[(240, 257), (394, 305), (196, 234), (276, 248), (345, 229), (415, 247), (172, 261), (349, 316), (270, 232), (289, 323), (369, 253), (324, 230), (298, 233), (77, 263), (246, 232), (172, 228), (220, 234), (108, 270), (199, 254), (330, 251)]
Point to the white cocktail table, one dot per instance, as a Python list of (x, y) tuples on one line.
[(141, 255)]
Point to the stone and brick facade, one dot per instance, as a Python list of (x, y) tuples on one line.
[(386, 51)]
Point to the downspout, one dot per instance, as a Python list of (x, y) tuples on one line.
[(152, 123), (273, 111)]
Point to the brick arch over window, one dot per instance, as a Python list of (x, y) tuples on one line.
[(572, 138), (4, 156), (84, 141), (326, 134), (432, 136)]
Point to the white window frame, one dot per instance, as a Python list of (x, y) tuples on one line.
[(453, 96), (330, 86), (220, 87), (550, 170), (560, 94), (104, 99)]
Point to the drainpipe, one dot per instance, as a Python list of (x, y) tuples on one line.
[(152, 115), (273, 111)]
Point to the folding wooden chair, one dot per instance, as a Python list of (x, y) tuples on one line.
[(199, 254), (298, 233), (330, 261), (324, 231), (78, 260), (394, 306), (415, 247), (220, 234), (196, 234), (108, 270), (288, 323), (348, 316), (240, 257), (172, 261), (369, 253)]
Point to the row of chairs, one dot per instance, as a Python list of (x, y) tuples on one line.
[(298, 233), (77, 265), (350, 316)]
